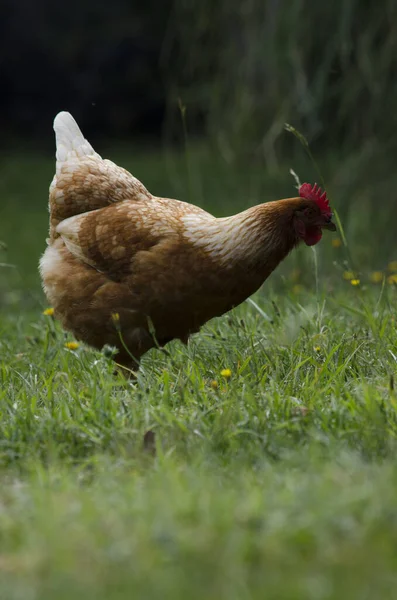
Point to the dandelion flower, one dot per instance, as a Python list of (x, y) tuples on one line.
[(317, 348), (297, 289), (226, 373), (48, 312), (392, 266), (392, 279), (355, 282), (348, 275), (376, 277), (295, 275), (336, 243), (72, 345), (214, 384)]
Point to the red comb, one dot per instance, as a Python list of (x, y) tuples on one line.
[(316, 194)]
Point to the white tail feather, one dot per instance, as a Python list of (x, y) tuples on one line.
[(70, 142)]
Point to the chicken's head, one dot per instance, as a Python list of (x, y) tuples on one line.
[(313, 215)]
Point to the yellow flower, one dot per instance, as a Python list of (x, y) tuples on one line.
[(336, 243), (392, 279), (355, 281), (48, 312), (214, 384), (297, 289), (392, 266), (72, 345), (317, 348), (295, 275), (376, 277), (348, 275), (116, 320), (226, 373)]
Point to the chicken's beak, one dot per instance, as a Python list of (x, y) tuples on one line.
[(328, 224)]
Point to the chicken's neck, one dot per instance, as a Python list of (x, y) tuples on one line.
[(255, 240)]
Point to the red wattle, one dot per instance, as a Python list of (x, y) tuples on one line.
[(312, 236)]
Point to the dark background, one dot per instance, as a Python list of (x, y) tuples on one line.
[(241, 69)]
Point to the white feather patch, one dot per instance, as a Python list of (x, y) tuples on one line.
[(69, 228), (227, 239), (70, 142)]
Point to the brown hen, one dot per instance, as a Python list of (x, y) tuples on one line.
[(159, 265)]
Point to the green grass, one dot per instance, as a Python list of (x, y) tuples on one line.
[(278, 482)]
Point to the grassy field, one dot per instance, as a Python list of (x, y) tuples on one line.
[(274, 474)]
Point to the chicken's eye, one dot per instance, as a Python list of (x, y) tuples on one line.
[(309, 212)]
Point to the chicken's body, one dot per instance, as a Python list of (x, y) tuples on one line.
[(160, 264)]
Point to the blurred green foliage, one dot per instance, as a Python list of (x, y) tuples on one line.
[(241, 68), (246, 68)]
